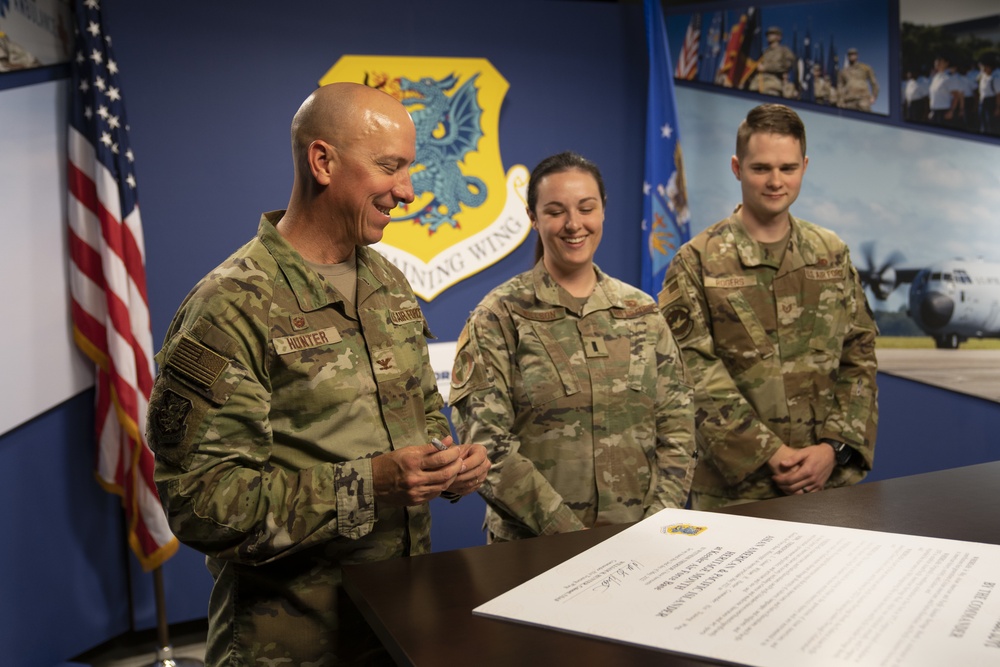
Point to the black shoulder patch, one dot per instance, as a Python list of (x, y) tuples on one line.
[(168, 418)]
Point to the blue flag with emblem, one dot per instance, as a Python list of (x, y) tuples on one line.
[(665, 216)]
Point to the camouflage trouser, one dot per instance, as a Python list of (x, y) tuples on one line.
[(703, 501), (766, 84), (860, 104)]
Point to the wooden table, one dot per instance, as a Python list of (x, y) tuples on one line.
[(421, 607)]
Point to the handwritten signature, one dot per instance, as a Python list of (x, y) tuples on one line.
[(619, 575)]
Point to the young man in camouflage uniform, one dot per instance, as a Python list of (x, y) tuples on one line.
[(295, 403), (776, 334)]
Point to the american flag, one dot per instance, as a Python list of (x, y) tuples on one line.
[(108, 284), (687, 60)]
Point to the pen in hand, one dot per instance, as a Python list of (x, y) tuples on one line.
[(448, 495), (440, 446)]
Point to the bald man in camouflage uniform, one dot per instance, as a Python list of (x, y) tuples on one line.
[(856, 84), (776, 333), (295, 403)]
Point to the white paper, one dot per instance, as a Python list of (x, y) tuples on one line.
[(774, 593)]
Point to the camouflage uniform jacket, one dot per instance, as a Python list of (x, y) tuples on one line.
[(857, 82), (587, 416), (272, 397), (822, 91), (775, 61), (778, 354)]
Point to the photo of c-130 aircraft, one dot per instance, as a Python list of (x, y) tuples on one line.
[(951, 300)]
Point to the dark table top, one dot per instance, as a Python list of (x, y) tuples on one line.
[(421, 607)]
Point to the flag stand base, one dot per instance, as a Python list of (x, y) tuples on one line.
[(165, 658), (165, 654)]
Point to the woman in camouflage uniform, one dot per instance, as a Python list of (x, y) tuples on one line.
[(572, 380)]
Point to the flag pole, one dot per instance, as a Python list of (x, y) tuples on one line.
[(165, 651)]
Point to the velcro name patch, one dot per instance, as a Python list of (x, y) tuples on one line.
[(635, 311), (306, 341), (836, 273), (731, 281), (404, 316), (539, 315)]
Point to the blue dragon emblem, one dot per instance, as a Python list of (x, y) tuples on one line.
[(448, 128)]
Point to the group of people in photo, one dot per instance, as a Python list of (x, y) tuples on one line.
[(956, 96), (780, 72), (297, 424)]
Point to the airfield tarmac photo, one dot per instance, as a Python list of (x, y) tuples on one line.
[(968, 371)]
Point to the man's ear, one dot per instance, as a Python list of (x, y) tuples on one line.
[(321, 158), (735, 166)]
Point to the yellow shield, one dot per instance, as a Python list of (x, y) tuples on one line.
[(468, 213)]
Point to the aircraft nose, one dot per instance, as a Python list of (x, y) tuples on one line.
[(936, 310)]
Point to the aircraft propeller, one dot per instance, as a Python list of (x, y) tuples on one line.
[(880, 279)]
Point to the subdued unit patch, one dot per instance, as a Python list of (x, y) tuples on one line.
[(169, 417), (679, 320)]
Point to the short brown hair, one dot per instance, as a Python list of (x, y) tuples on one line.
[(770, 119)]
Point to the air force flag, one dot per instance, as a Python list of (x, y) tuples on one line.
[(665, 216)]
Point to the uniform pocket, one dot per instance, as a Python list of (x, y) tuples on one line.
[(829, 322), (545, 367), (741, 341)]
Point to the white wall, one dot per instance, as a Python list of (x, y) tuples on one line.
[(41, 366)]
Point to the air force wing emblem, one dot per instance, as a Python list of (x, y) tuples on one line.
[(683, 529), (467, 213)]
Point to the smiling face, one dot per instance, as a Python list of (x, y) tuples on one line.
[(770, 174), (370, 172), (569, 218)]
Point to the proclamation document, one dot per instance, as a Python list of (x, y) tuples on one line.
[(761, 592)]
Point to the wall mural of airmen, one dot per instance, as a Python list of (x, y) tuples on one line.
[(794, 51)]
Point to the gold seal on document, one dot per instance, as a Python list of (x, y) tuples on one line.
[(683, 529)]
